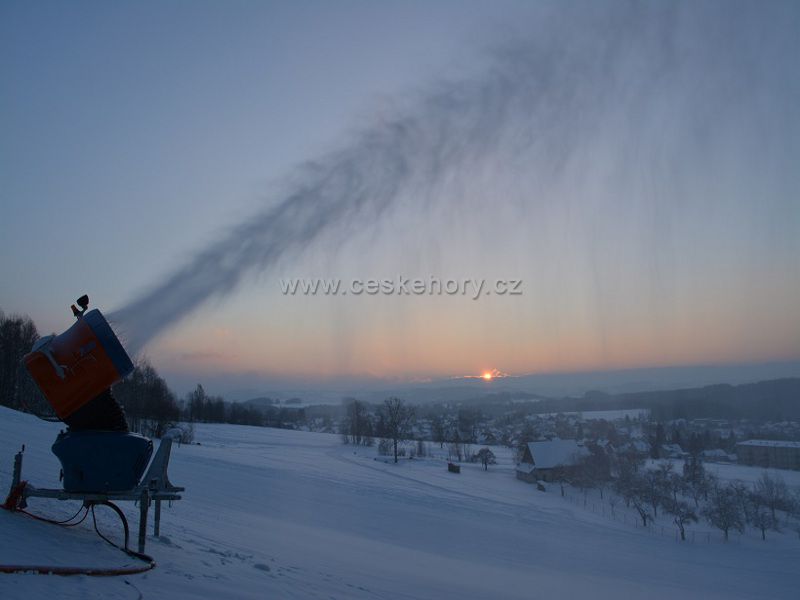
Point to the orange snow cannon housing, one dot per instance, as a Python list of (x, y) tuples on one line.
[(78, 365)]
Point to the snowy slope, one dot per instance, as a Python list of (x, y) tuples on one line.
[(279, 514)]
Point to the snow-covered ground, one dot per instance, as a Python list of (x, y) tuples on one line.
[(279, 514), (734, 472)]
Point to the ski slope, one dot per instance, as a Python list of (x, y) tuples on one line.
[(280, 514)]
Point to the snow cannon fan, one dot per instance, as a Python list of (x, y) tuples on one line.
[(75, 371)]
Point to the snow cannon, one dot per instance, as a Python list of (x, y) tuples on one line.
[(101, 460), (80, 364)]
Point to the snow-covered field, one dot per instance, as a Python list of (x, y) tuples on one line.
[(279, 514), (732, 472)]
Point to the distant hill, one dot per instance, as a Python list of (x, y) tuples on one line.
[(261, 402), (775, 400)]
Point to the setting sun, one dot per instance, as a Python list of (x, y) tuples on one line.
[(487, 376)]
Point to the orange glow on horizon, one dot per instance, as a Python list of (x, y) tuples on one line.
[(285, 347)]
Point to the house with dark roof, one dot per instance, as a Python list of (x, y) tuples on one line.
[(550, 460)]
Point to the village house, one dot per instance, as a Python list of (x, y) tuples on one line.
[(550, 460), (673, 451)]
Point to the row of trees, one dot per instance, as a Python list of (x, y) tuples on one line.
[(150, 406), (463, 428), (694, 494), (458, 433), (17, 390), (394, 422), (358, 426), (200, 407)]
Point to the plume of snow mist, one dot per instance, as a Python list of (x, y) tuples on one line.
[(535, 102)]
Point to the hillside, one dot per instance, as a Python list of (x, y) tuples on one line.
[(281, 514)]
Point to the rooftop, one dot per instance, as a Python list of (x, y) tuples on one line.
[(770, 443), (556, 453)]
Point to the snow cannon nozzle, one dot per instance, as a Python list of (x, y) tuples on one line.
[(83, 302)]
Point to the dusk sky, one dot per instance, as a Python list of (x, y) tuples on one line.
[(635, 165)]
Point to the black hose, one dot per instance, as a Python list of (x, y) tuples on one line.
[(139, 555), (65, 522)]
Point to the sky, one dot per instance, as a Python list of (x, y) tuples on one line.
[(632, 164)]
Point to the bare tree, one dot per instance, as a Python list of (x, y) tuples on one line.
[(196, 401), (486, 456), (455, 451), (699, 487), (723, 511), (596, 468), (682, 514), (398, 419), (744, 497), (559, 475), (794, 512), (641, 505), (466, 449), (760, 516), (384, 447), (468, 423), (693, 470), (625, 484), (655, 487), (677, 486), (439, 430), (356, 420), (644, 491), (150, 406), (583, 477), (773, 493)]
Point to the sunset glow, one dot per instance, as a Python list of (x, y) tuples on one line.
[(616, 240)]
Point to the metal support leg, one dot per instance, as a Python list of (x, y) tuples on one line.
[(144, 502), (17, 470), (157, 519), (16, 479)]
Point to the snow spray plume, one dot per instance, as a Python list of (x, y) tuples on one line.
[(535, 102)]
